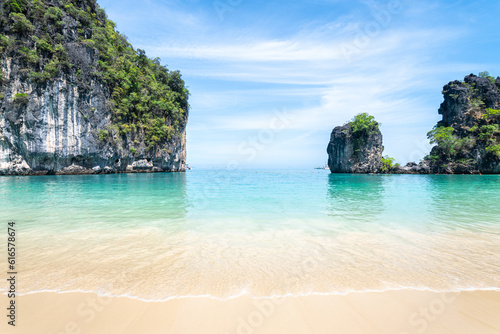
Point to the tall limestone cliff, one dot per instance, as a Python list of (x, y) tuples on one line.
[(356, 147), (75, 97), (468, 136)]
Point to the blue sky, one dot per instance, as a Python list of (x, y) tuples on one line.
[(269, 80)]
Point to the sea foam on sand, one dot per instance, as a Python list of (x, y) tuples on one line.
[(389, 312)]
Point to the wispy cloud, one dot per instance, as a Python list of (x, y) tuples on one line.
[(241, 73)]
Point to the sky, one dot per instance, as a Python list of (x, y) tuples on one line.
[(269, 80)]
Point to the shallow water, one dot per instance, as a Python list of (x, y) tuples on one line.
[(219, 233)]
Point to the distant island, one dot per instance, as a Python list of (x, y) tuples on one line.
[(467, 138), (77, 98)]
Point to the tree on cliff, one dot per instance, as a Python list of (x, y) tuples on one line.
[(76, 97), (146, 100), (356, 147), (362, 126), (468, 138)]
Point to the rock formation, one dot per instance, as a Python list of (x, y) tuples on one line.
[(411, 168), (353, 150), (468, 136), (76, 98)]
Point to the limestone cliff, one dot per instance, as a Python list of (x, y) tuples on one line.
[(468, 136), (356, 147), (75, 97)]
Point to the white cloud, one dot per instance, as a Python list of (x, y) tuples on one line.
[(392, 74)]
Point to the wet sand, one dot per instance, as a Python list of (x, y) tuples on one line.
[(398, 312)]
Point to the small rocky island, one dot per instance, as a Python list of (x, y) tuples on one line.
[(77, 98), (467, 138), (356, 147)]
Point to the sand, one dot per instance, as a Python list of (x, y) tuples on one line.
[(398, 312)]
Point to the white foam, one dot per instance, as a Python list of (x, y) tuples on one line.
[(245, 293)]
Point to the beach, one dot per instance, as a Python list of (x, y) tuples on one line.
[(249, 167), (254, 252), (389, 312)]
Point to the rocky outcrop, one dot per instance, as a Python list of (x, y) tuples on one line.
[(56, 132), (345, 157), (64, 119), (467, 138), (464, 100), (471, 110), (412, 168)]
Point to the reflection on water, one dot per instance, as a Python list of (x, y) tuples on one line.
[(265, 232), (97, 201), (423, 203), (468, 202), (253, 201), (355, 198)]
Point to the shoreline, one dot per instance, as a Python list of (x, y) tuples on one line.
[(98, 173), (398, 312), (46, 173), (245, 294)]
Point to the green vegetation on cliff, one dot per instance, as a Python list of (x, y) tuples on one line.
[(451, 147), (148, 102), (388, 164), (361, 126), (468, 137)]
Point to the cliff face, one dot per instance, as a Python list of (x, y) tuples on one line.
[(351, 151), (463, 100), (61, 111), (468, 136)]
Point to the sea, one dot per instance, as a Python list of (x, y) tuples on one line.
[(263, 233)]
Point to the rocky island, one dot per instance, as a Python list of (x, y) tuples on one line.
[(467, 138), (356, 147), (77, 98)]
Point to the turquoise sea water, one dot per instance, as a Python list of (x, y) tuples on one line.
[(262, 232)]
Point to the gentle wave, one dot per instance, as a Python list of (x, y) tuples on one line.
[(246, 294), (156, 236)]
